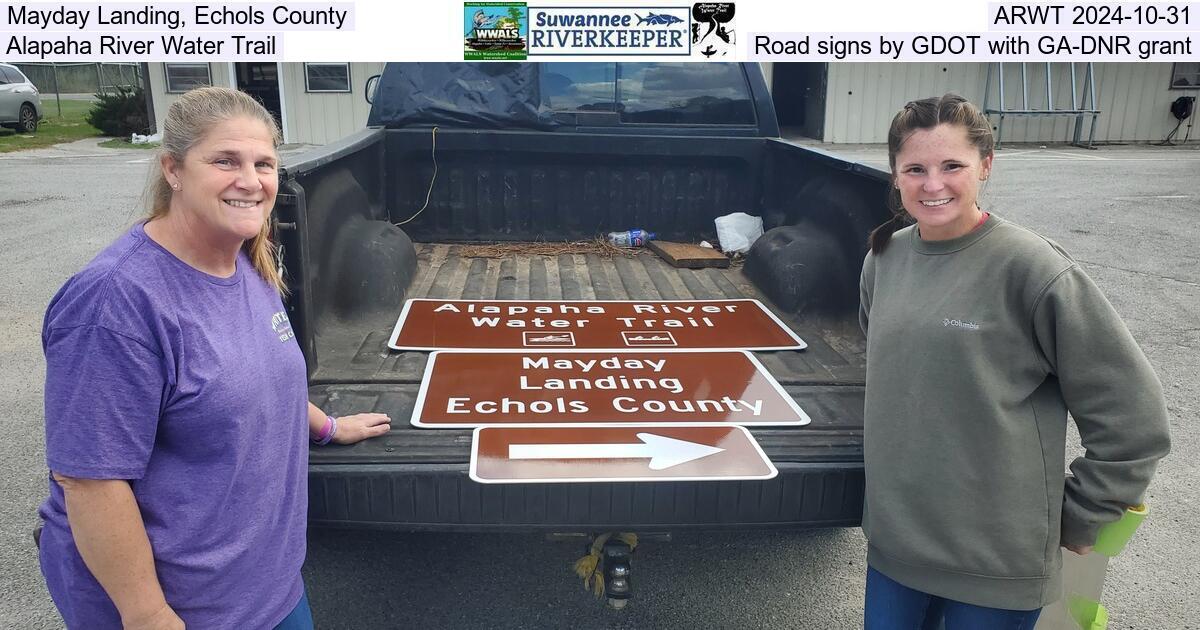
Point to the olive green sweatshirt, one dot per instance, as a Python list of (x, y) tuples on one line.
[(977, 347)]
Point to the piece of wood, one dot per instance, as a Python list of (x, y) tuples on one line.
[(688, 256)]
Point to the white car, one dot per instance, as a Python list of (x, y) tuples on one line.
[(20, 102)]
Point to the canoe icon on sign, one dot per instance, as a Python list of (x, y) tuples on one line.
[(648, 338), (545, 339)]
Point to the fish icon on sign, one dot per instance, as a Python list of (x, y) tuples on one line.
[(648, 338), (657, 19), (541, 339)]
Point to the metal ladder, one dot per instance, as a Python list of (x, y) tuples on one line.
[(1077, 102)]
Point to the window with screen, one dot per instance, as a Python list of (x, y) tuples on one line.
[(182, 77), (327, 77), (1185, 76)]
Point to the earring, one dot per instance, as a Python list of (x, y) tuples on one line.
[(175, 186)]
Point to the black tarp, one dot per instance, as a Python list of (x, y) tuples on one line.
[(475, 95)]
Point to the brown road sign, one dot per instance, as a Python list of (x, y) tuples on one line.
[(468, 389), (590, 453), (427, 324)]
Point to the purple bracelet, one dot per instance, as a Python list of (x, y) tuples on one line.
[(327, 432)]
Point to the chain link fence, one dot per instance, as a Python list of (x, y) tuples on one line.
[(80, 81), (81, 78)]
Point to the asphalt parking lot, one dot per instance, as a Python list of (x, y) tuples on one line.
[(1129, 214)]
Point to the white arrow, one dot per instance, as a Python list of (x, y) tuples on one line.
[(663, 452)]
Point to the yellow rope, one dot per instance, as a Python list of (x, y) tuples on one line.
[(588, 567), (429, 193)]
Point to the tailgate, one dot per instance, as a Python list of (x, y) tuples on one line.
[(417, 478)]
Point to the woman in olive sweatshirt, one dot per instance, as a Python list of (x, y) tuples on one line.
[(981, 336)]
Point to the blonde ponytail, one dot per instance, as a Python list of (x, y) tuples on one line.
[(189, 118)]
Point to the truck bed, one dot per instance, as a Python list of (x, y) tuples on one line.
[(359, 373), (834, 355)]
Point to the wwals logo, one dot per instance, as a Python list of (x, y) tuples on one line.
[(495, 30)]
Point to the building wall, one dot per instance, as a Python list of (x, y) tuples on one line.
[(317, 118), (310, 118), (157, 77), (1133, 97)]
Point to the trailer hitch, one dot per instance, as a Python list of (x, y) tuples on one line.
[(617, 565), (607, 566)]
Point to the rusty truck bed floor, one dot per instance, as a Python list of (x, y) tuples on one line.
[(834, 355)]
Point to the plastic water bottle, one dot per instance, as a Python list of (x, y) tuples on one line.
[(630, 238)]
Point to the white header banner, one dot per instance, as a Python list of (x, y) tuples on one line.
[(614, 30)]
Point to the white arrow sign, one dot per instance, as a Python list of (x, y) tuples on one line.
[(663, 452)]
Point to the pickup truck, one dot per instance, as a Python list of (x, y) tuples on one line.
[(462, 154)]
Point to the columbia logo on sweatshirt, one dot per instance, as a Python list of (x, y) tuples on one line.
[(960, 323)]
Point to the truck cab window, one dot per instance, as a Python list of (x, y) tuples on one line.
[(579, 86), (685, 94)]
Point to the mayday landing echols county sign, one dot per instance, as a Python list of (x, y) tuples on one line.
[(427, 324), (590, 453), (470, 389)]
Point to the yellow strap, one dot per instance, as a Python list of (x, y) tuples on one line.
[(588, 567)]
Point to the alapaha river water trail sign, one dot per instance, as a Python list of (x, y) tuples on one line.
[(663, 325)]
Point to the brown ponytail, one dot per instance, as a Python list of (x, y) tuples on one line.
[(882, 235), (927, 113)]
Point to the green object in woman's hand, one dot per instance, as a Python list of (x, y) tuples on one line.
[(1113, 536)]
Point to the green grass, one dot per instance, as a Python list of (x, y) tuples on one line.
[(122, 143), (52, 129)]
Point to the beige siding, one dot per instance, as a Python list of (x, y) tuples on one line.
[(318, 118), (768, 69), (157, 77), (311, 118), (1133, 97)]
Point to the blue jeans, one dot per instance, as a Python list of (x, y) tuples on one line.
[(299, 619), (892, 606)]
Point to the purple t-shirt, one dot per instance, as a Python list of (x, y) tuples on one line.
[(193, 388)]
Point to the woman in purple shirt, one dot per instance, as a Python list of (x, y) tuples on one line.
[(177, 413)]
